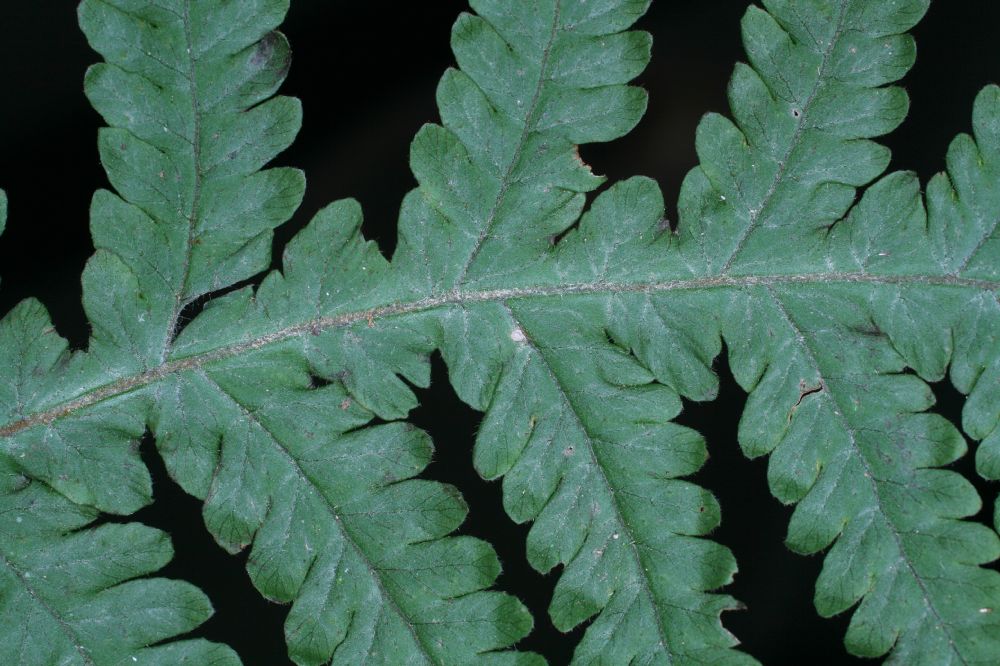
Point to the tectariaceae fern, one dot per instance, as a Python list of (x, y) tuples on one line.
[(576, 339)]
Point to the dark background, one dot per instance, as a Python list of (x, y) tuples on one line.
[(366, 73)]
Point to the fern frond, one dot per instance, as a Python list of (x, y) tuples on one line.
[(576, 336), (823, 347), (185, 89), (194, 215), (338, 525), (963, 217), (65, 585), (574, 423)]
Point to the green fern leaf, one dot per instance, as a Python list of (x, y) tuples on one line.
[(337, 525), (963, 212), (184, 88), (65, 586), (828, 313), (576, 336), (573, 421)]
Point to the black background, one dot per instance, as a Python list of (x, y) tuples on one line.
[(366, 73)]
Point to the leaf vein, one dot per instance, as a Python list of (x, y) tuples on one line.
[(904, 559), (602, 475), (800, 128), (348, 538)]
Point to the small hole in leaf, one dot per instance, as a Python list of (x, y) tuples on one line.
[(191, 311), (315, 381)]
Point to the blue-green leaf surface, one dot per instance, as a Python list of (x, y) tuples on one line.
[(186, 88), (575, 323), (840, 317), (65, 586)]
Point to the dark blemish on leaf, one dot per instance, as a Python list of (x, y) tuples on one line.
[(804, 390), (871, 330), (796, 113), (271, 54), (315, 381), (807, 390), (264, 50)]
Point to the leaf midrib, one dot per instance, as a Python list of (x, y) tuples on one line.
[(451, 298), (196, 186)]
